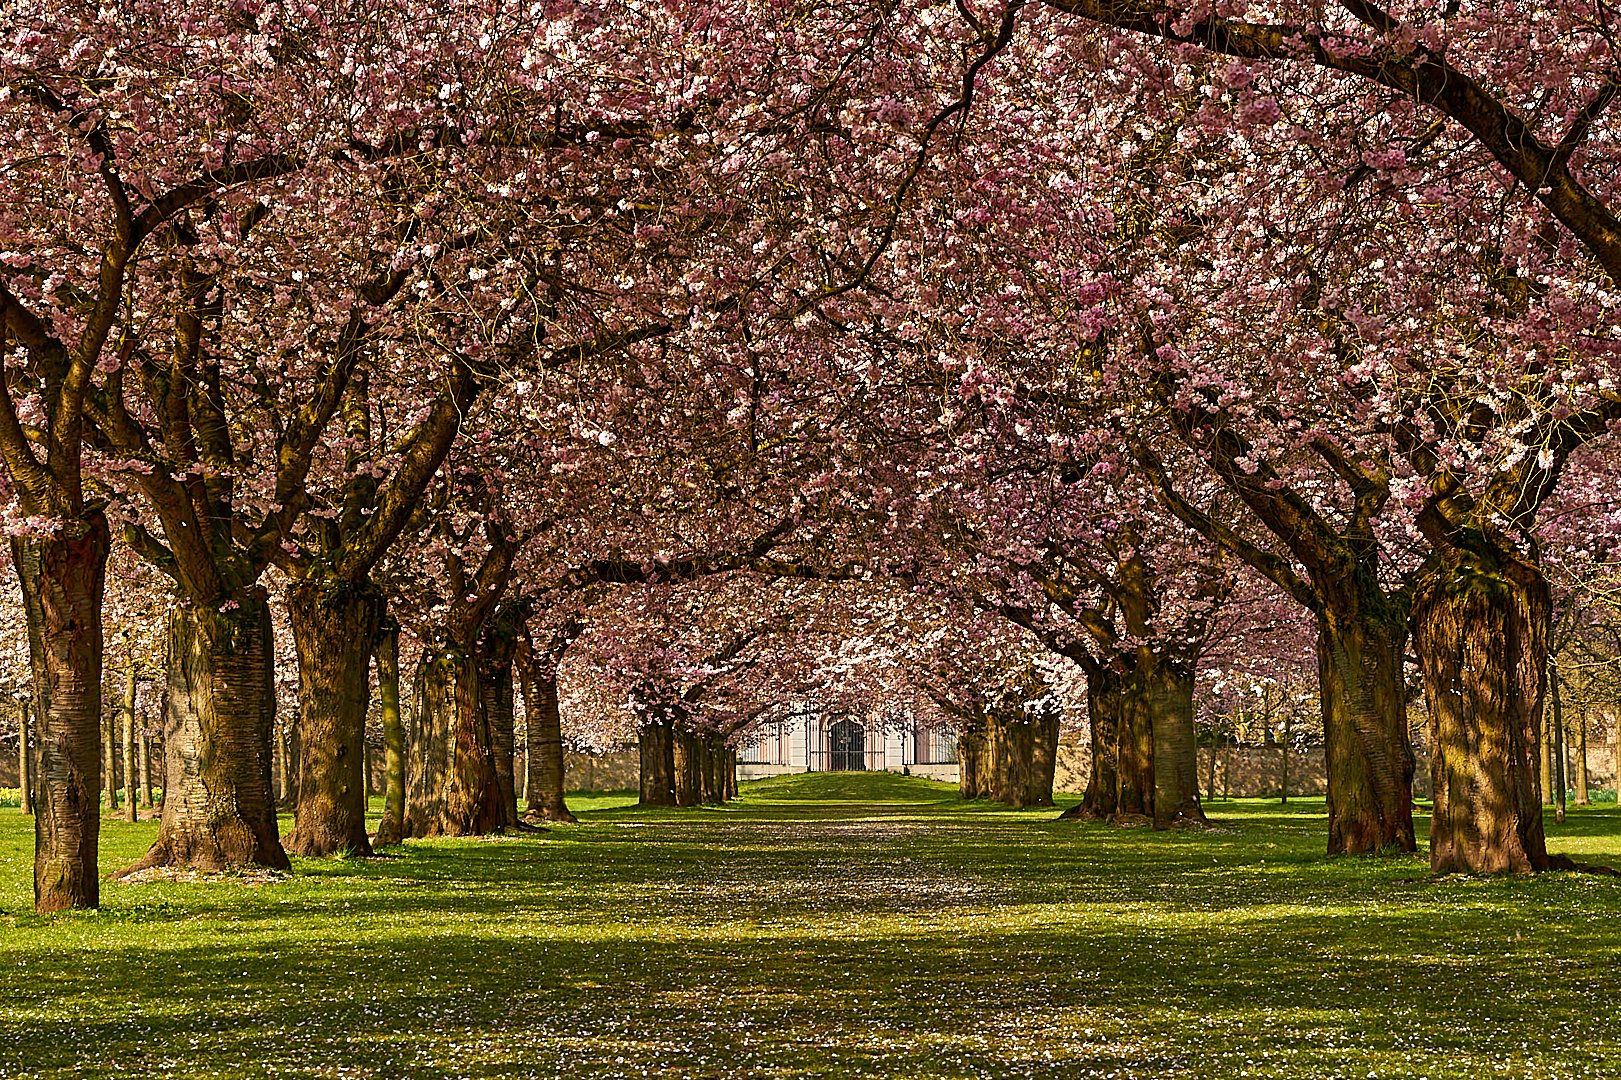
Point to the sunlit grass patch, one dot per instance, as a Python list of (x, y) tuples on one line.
[(823, 925)]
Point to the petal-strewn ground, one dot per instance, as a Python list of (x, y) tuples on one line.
[(831, 925)]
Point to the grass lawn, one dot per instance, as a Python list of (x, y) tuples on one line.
[(831, 925)]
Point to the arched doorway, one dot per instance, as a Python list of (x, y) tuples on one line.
[(847, 746)]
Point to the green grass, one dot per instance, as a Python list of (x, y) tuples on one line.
[(839, 925)]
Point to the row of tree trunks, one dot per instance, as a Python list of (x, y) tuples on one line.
[(1009, 757), (63, 578), (1145, 756), (335, 629), (218, 808), (682, 768)]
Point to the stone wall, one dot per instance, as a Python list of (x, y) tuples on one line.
[(1258, 771)]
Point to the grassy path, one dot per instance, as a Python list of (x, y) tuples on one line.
[(827, 926)]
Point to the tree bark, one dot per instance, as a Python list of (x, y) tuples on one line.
[(687, 769), (109, 759), (1135, 762), (1480, 628), (543, 724), (1176, 748), (391, 830), (1361, 641), (25, 779), (287, 749), (1584, 796), (970, 751), (497, 648), (657, 747), (1561, 750), (335, 627), (146, 769), (1043, 759), (218, 808), (1103, 706), (131, 798), (63, 577), (452, 788), (1545, 769)]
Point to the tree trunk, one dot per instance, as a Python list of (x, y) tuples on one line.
[(687, 769), (1480, 628), (131, 798), (998, 762), (1561, 751), (391, 830), (109, 759), (543, 724), (452, 788), (1368, 756), (970, 749), (1043, 759), (146, 769), (1176, 748), (287, 748), (62, 578), (658, 764), (218, 808), (1103, 705), (25, 778), (1545, 765), (1136, 747), (1584, 797), (335, 627), (495, 696)]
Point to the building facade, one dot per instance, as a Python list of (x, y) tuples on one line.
[(812, 742)]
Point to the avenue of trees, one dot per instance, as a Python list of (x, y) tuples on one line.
[(655, 368)]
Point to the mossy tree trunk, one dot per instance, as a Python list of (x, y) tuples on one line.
[(1480, 628), (1135, 748), (218, 808), (391, 829), (335, 626), (1361, 642), (63, 577), (452, 788)]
